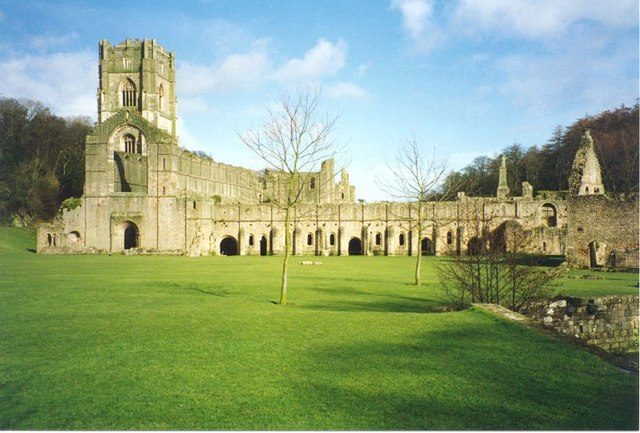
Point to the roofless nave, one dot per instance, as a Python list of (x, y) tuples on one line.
[(144, 193)]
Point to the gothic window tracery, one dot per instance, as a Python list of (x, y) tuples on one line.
[(130, 144), (128, 94)]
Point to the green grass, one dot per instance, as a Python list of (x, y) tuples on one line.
[(98, 342)]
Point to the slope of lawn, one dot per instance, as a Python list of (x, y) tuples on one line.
[(99, 342)]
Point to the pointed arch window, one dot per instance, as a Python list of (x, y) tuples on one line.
[(128, 93), (449, 237), (130, 144)]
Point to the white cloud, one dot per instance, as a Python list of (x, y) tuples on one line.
[(542, 18), (571, 76), (345, 90), (236, 71), (417, 20), (42, 42), (363, 69), (65, 82), (255, 68), (187, 140), (195, 104), (324, 58)]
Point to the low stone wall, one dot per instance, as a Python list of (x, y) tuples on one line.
[(609, 322)]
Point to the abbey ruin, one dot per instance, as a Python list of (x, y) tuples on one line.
[(145, 194)]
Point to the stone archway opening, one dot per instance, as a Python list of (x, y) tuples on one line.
[(131, 235), (474, 247), (597, 254), (229, 246), (355, 247), (263, 245), (426, 247)]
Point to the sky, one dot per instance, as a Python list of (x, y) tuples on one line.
[(464, 77)]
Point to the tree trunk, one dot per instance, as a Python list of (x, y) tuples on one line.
[(285, 261), (419, 240)]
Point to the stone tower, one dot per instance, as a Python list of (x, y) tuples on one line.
[(503, 187), (586, 177), (138, 75)]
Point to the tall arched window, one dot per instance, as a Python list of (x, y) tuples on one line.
[(312, 183), (332, 239), (401, 239), (449, 237), (129, 143), (378, 239), (160, 96), (548, 215), (128, 92), (251, 240), (309, 239)]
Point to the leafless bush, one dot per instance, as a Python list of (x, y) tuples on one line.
[(498, 271)]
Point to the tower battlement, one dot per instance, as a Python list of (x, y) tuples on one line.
[(138, 75)]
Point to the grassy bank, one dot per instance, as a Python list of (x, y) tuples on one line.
[(98, 342)]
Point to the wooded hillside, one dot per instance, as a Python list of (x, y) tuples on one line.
[(547, 167), (41, 160)]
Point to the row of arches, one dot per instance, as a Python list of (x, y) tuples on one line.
[(229, 246)]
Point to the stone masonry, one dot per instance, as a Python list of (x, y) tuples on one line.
[(610, 322), (144, 192)]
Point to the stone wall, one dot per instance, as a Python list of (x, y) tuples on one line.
[(598, 226), (609, 322)]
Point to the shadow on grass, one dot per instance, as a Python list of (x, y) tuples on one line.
[(375, 306), (30, 250), (206, 290), (525, 260), (479, 374), (375, 302)]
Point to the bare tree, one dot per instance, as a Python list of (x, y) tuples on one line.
[(293, 140), (415, 177), (497, 270)]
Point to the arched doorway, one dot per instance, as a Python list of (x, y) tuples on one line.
[(548, 215), (355, 247), (597, 254), (426, 247), (229, 246), (263, 245), (131, 235), (474, 247)]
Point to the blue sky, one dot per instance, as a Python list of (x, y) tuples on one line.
[(466, 77)]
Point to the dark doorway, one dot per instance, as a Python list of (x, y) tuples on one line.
[(229, 246), (474, 247), (130, 236), (263, 246), (426, 247), (355, 247)]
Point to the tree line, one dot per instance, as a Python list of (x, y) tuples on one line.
[(41, 160), (547, 167)]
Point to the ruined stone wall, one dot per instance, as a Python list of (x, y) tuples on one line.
[(609, 322), (370, 228), (209, 178), (607, 224)]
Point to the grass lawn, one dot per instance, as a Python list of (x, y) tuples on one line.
[(98, 342)]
